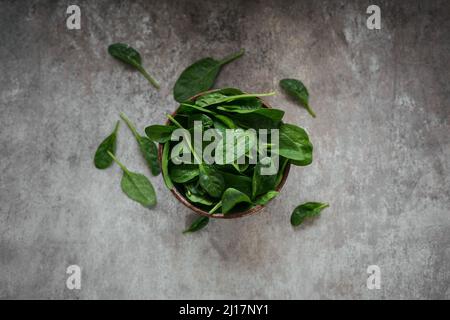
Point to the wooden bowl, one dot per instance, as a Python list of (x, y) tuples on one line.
[(202, 212)]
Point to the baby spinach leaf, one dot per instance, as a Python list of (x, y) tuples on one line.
[(102, 160), (265, 198), (232, 197), (159, 133), (262, 181), (306, 210), (295, 144), (200, 76), (165, 165), (206, 121), (209, 99), (239, 182), (136, 186), (215, 98), (283, 162), (297, 90), (244, 141), (147, 147), (184, 172), (195, 188), (199, 199), (273, 114), (198, 224), (211, 181), (226, 121), (130, 56)]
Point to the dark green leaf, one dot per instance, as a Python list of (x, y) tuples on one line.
[(212, 181), (147, 147), (306, 210), (232, 197), (102, 160), (130, 56), (216, 98), (165, 165), (150, 153), (283, 162), (159, 133), (295, 145), (183, 173), (239, 182), (206, 121), (265, 198), (297, 90), (273, 114), (136, 186), (198, 224), (195, 198), (263, 181), (200, 76)]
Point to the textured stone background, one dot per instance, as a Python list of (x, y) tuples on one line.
[(381, 138)]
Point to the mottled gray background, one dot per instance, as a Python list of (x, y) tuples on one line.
[(381, 138)]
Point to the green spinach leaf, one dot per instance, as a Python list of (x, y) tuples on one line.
[(184, 172), (130, 56), (159, 133), (265, 198), (198, 224), (200, 76), (263, 182), (306, 210), (136, 186), (101, 159), (147, 147), (295, 145), (165, 165), (297, 90), (211, 181), (232, 197)]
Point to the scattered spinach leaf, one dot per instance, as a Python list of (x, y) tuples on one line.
[(297, 90), (136, 186), (198, 224), (200, 76), (130, 56), (147, 147), (102, 160), (306, 210)]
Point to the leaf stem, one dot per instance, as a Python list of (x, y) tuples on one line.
[(175, 122), (232, 57), (188, 141), (217, 206), (150, 79), (116, 128), (121, 165), (130, 125), (310, 111)]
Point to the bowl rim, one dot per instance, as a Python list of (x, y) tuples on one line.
[(204, 213)]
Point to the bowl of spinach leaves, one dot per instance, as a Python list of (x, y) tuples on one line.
[(252, 165), (230, 189)]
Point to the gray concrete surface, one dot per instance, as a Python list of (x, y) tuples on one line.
[(381, 139)]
